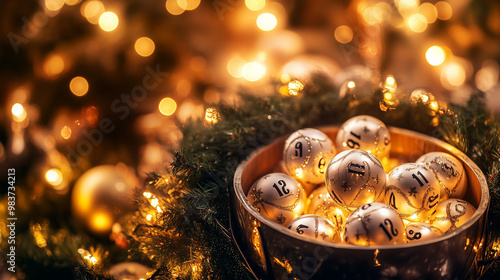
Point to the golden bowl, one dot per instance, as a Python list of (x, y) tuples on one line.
[(274, 252)]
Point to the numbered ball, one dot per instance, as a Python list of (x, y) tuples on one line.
[(354, 178), (452, 213), (421, 232), (413, 190), (320, 203), (374, 224), (316, 227), (449, 171), (278, 197), (366, 133), (306, 154)]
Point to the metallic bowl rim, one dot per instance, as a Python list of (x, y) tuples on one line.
[(480, 211)]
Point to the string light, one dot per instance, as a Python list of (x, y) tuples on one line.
[(266, 21), (211, 115), (54, 177), (255, 5), (435, 55), (167, 106), (40, 239), (108, 21), (153, 200), (18, 112), (79, 86), (295, 88), (144, 46), (66, 132)]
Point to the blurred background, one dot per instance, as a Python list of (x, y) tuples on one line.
[(102, 85)]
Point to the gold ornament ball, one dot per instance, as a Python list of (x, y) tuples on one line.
[(419, 231), (452, 213), (354, 178), (316, 227), (306, 154), (366, 133), (101, 195), (278, 197), (449, 171), (374, 224), (321, 203), (413, 190)]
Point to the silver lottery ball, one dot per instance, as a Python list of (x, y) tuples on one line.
[(365, 133), (314, 226), (413, 190), (278, 197), (449, 171), (354, 178), (452, 213), (374, 224), (306, 154), (419, 231), (321, 203)]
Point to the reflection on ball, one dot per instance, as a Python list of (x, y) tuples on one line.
[(278, 197), (320, 203), (314, 226)]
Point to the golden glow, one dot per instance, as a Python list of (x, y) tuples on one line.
[(390, 81), (17, 110), (407, 7), (417, 23), (454, 74), (174, 8), (188, 5), (144, 46), (92, 10), (253, 71), (54, 177), (101, 221), (54, 5), (299, 173), (285, 78), (108, 21), (147, 194), (79, 86), (167, 106), (212, 115), (429, 11), (379, 13), (295, 87), (154, 202), (149, 217), (40, 240), (255, 5), (487, 77), (344, 34), (444, 10), (66, 132), (267, 22), (53, 65), (235, 66), (351, 84), (435, 55), (71, 2)]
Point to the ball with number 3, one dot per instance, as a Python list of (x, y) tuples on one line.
[(278, 197), (306, 154)]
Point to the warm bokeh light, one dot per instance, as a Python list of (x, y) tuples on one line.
[(53, 65), (351, 85), (188, 5), (429, 11), (487, 77), (235, 66), (101, 221), (79, 86), (54, 5), (255, 5), (253, 71), (211, 115), (174, 8), (435, 55), (295, 88), (379, 13), (407, 8), (343, 34), (444, 10), (18, 112), (149, 217), (267, 21), (71, 2), (167, 106), (453, 75), (144, 46), (92, 10), (417, 23), (54, 177), (108, 21), (66, 132)]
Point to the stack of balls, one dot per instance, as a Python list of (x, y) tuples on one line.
[(340, 192)]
